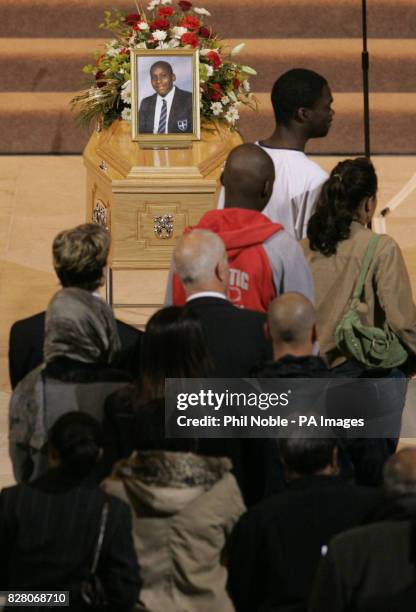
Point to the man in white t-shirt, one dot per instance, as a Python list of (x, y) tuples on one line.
[(301, 102)]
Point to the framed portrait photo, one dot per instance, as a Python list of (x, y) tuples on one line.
[(165, 96)]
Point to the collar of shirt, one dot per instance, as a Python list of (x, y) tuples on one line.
[(158, 109), (203, 294)]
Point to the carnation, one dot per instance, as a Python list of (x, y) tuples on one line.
[(204, 32), (225, 100), (125, 94), (165, 11), (202, 11), (215, 59), (178, 31), (160, 34), (216, 108), (160, 24), (190, 39), (232, 115), (215, 92), (143, 25), (132, 18), (190, 22), (184, 5), (126, 114)]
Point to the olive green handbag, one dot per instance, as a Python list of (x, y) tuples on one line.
[(372, 347)]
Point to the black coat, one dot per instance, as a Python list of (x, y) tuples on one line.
[(371, 568), (26, 347), (48, 535), (276, 545), (180, 113), (235, 336)]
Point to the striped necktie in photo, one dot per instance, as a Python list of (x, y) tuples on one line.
[(163, 115)]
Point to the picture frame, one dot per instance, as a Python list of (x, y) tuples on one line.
[(165, 97)]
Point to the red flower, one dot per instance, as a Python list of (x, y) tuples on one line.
[(215, 59), (204, 32), (165, 11), (160, 24), (100, 78), (184, 5), (190, 22), (190, 38), (216, 93), (132, 18), (236, 83)]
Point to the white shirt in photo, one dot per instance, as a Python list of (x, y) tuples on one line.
[(158, 110)]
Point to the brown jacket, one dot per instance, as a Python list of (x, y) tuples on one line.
[(184, 507), (387, 291)]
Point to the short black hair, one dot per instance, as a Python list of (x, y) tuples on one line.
[(307, 455), (295, 89), (77, 438), (161, 64)]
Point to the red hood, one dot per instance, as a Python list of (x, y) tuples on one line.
[(239, 228)]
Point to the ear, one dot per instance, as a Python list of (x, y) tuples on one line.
[(221, 271), (173, 77), (302, 114)]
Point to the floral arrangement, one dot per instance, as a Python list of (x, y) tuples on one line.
[(224, 84)]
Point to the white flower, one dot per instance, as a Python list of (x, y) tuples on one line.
[(210, 70), (202, 11), (204, 51), (159, 34), (173, 43), (126, 92), (216, 108), (177, 31), (152, 4), (225, 100), (163, 45), (121, 71), (112, 52), (232, 115), (141, 45), (246, 86), (126, 114), (143, 25), (166, 1)]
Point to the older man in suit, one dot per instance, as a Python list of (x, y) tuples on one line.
[(169, 110)]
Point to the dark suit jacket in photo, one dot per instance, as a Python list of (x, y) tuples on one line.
[(26, 347), (180, 116), (235, 336)]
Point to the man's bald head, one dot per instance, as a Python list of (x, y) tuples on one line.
[(400, 473), (291, 320), (200, 261), (248, 177)]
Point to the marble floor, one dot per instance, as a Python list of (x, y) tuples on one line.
[(40, 195)]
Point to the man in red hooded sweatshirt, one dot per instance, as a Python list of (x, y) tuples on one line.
[(264, 260)]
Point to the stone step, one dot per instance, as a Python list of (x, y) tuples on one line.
[(41, 122), (233, 18), (41, 64)]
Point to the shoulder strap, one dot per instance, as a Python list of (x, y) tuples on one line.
[(368, 257), (103, 522)]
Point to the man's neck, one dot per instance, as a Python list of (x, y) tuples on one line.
[(281, 349), (286, 138)]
